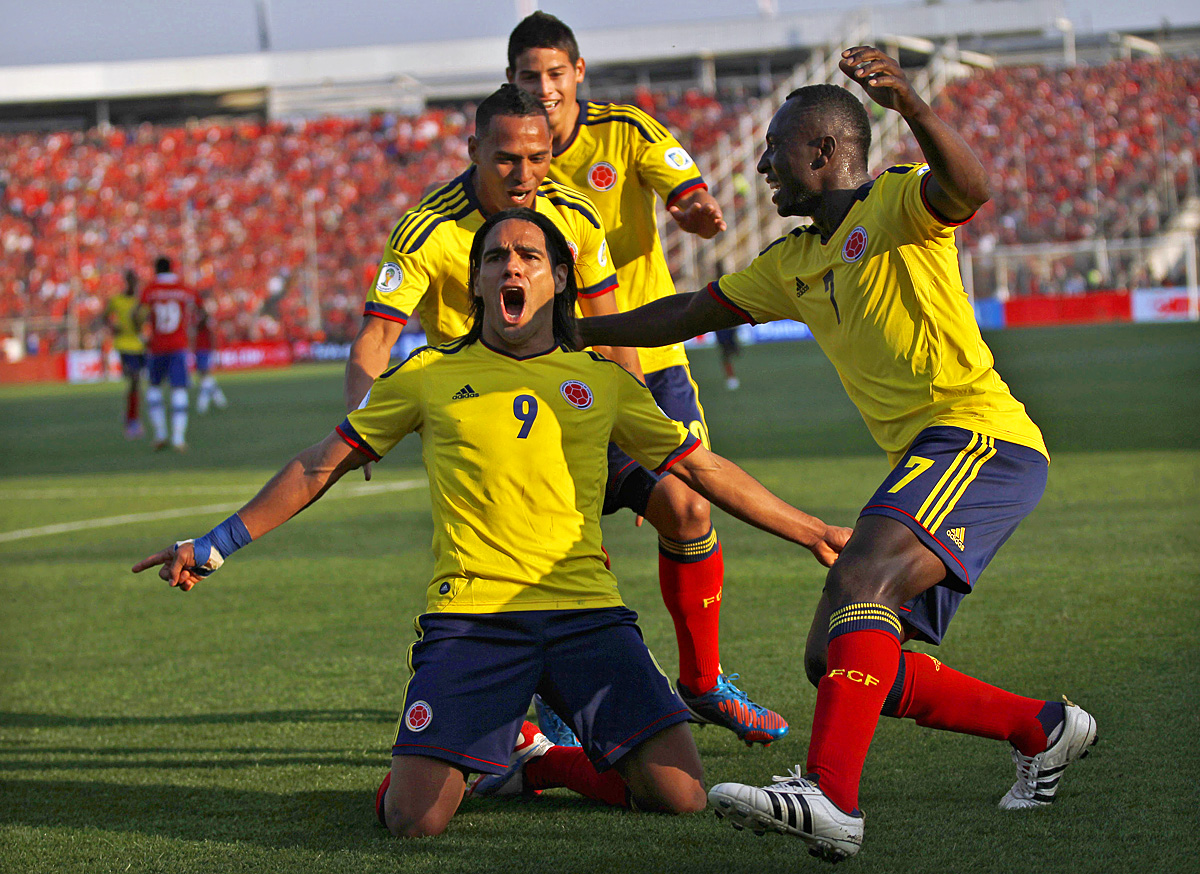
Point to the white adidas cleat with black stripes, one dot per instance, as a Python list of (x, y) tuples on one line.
[(1038, 776), (794, 805)]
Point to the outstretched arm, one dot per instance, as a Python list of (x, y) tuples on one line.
[(959, 185), (604, 305), (698, 212), (741, 495), (670, 319), (299, 483)]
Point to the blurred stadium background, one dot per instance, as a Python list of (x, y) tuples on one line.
[(274, 176)]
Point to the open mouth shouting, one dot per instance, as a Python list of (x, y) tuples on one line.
[(512, 300)]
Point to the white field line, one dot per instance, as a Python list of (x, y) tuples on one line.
[(118, 492), (179, 512)]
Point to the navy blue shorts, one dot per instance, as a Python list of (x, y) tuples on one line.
[(203, 360), (629, 484), (963, 494), (172, 365), (132, 363), (473, 676)]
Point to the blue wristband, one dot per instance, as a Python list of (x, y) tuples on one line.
[(228, 537)]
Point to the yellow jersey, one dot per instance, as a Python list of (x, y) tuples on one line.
[(516, 451), (121, 314), (884, 299), (621, 157), (425, 267)]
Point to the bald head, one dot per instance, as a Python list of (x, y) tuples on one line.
[(835, 112)]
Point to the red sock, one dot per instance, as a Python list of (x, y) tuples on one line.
[(690, 575), (131, 405), (940, 697), (864, 647), (570, 767)]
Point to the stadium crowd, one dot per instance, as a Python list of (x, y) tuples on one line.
[(1077, 152), (1074, 153), (241, 202)]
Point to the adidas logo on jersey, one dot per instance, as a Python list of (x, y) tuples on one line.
[(958, 535), (463, 393), (801, 287)]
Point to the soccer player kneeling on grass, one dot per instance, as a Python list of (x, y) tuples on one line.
[(515, 429)]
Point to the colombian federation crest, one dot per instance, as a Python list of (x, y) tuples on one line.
[(418, 716), (855, 246), (577, 394), (574, 250), (390, 277), (602, 176)]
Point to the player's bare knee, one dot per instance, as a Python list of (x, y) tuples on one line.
[(688, 516), (677, 797), (688, 799), (854, 579), (415, 824)]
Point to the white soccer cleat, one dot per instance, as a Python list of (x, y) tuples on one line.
[(531, 744), (1038, 776), (794, 805)]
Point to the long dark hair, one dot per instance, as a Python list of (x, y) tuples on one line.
[(560, 254)]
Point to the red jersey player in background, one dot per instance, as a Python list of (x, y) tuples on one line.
[(204, 346), (169, 309)]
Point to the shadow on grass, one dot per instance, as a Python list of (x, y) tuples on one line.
[(305, 819), (317, 820), (63, 720)]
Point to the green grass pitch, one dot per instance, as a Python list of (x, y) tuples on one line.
[(245, 726)]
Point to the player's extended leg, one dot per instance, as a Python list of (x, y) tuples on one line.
[(154, 401), (133, 394), (882, 567), (204, 395), (691, 574), (422, 796), (218, 397), (179, 402), (935, 695)]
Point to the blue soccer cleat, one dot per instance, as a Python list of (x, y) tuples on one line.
[(729, 707), (552, 726)]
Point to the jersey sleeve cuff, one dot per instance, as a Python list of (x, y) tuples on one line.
[(933, 210), (355, 441), (685, 188), (714, 289), (604, 286), (686, 448), (383, 311)]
